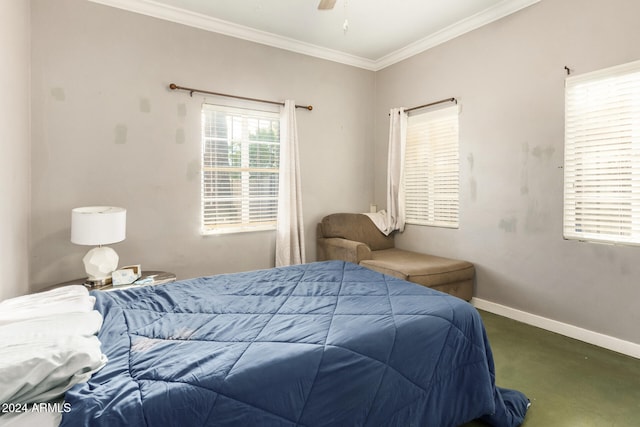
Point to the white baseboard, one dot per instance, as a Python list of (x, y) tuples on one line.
[(611, 343)]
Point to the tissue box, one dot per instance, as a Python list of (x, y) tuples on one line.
[(137, 268), (126, 276)]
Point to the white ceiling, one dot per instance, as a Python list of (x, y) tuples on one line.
[(380, 32)]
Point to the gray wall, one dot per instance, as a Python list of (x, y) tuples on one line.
[(14, 148), (106, 130), (509, 79)]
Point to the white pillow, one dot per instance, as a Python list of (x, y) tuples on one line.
[(67, 299), (63, 324), (43, 369), (48, 344)]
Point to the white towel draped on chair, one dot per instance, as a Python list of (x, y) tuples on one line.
[(290, 228)]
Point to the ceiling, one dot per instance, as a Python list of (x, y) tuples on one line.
[(379, 33)]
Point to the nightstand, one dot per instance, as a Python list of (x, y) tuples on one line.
[(148, 278)]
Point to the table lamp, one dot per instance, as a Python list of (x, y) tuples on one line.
[(98, 226)]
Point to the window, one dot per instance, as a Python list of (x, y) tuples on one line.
[(602, 156), (431, 174), (240, 159)]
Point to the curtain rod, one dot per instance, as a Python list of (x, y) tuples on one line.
[(442, 101), (191, 91)]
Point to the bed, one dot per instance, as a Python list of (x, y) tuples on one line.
[(320, 344)]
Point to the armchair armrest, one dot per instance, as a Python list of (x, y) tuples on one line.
[(342, 249)]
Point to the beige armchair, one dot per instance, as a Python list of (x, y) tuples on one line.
[(355, 238)]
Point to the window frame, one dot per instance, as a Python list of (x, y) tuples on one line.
[(601, 202), (431, 173), (239, 148)]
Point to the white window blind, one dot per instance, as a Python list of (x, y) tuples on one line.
[(602, 156), (431, 174), (240, 160)]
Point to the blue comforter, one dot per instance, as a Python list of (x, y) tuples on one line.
[(321, 344)]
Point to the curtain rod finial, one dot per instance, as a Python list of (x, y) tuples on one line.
[(173, 86)]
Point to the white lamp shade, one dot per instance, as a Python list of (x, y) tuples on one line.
[(98, 225)]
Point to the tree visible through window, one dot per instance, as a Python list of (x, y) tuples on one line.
[(240, 166)]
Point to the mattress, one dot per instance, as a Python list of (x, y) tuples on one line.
[(320, 344)]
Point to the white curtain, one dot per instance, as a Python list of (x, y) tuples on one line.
[(290, 228), (395, 168)]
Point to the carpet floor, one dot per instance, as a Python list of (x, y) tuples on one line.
[(570, 383)]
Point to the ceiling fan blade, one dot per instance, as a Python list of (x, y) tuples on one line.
[(326, 4)]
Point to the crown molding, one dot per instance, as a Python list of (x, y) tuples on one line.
[(208, 23), (505, 8)]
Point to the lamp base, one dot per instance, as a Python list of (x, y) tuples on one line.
[(99, 263), (97, 283)]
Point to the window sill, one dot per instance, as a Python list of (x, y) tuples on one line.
[(235, 230)]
